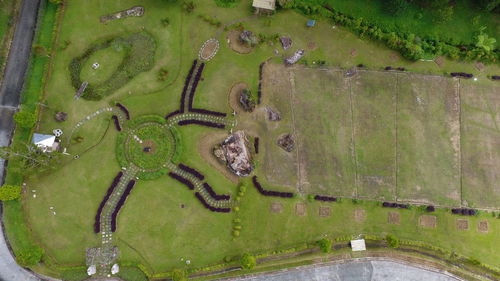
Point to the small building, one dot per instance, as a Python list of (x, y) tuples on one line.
[(264, 6), (46, 143), (311, 23), (358, 245)]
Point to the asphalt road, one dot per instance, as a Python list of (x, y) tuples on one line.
[(10, 92)]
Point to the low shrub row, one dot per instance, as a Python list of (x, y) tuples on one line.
[(97, 223), (214, 195), (461, 74), (464, 212), (325, 198), (430, 209), (256, 145), (124, 109), (213, 209), (395, 205), (191, 171), (395, 68), (270, 192), (173, 113), (194, 85), (120, 203), (201, 123), (117, 123), (208, 112), (495, 77), (259, 91), (182, 180), (186, 84)]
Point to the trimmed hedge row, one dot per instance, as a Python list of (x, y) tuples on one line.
[(201, 123), (325, 198), (186, 84), (191, 171), (464, 212), (256, 145), (172, 114), (117, 123), (182, 180), (97, 224), (214, 195), (270, 192), (213, 209), (395, 205), (195, 85), (461, 74), (259, 92), (124, 109), (120, 203)]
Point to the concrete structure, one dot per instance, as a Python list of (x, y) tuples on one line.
[(264, 6), (358, 245)]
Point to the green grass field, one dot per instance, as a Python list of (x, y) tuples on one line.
[(376, 135)]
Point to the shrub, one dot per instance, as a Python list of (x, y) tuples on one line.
[(25, 119), (392, 241), (248, 261), (226, 3), (29, 256), (179, 275), (395, 7), (236, 233), (165, 22), (10, 192), (325, 245)]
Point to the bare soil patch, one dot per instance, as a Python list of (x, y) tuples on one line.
[(483, 226), (205, 146), (479, 66), (325, 211), (311, 46), (300, 209), (393, 218), (359, 215), (462, 224), (439, 60), (354, 52), (276, 207), (235, 43), (234, 96), (428, 221)]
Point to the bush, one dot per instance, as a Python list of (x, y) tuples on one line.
[(392, 241), (10, 192), (248, 261), (395, 7), (325, 245), (25, 119), (131, 274), (236, 233), (179, 275), (29, 256), (226, 3)]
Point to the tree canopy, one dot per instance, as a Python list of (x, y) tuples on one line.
[(10, 192), (25, 119), (248, 261)]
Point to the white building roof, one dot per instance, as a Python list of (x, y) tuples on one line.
[(358, 245), (43, 140), (264, 4)]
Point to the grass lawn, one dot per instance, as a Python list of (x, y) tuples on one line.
[(162, 224)]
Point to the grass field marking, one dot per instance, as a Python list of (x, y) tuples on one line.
[(460, 174), (396, 139), (292, 100), (353, 142)]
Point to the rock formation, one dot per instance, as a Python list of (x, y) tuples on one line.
[(273, 115), (235, 154), (287, 142)]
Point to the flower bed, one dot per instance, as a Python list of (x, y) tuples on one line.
[(124, 109), (97, 224), (201, 123), (120, 203), (325, 198), (270, 192), (191, 171), (186, 84), (256, 145), (461, 74), (117, 123), (214, 195), (213, 209), (464, 212), (182, 180), (195, 85), (395, 205)]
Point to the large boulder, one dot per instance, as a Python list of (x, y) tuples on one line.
[(287, 142), (235, 154)]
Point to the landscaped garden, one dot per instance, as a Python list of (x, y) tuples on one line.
[(156, 138)]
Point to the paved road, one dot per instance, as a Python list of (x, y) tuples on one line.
[(372, 270), (10, 91)]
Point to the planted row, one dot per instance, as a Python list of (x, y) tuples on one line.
[(325, 198), (213, 209), (186, 84), (214, 195), (172, 114), (191, 171), (117, 123), (97, 223), (256, 145), (270, 192), (182, 180), (259, 92), (120, 203), (195, 85), (124, 109), (201, 123), (395, 205), (495, 77), (395, 68), (208, 112), (464, 212), (461, 74)]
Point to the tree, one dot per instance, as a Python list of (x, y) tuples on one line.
[(248, 261), (395, 7), (10, 192), (392, 241), (489, 5), (179, 275), (485, 42), (31, 158), (325, 245), (56, 1), (29, 256), (443, 14), (25, 119)]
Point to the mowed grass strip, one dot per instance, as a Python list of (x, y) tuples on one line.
[(480, 144), (323, 123), (374, 112), (428, 140)]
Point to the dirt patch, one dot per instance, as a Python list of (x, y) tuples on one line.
[(300, 209), (479, 66), (234, 96), (462, 224), (311, 46), (354, 53), (325, 211), (205, 146), (439, 61), (394, 57), (483, 226), (233, 38), (393, 218), (149, 147), (428, 221), (276, 207), (359, 215), (209, 48)]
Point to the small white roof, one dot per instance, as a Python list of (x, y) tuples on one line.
[(43, 140), (264, 4), (358, 245)]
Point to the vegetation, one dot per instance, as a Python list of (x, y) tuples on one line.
[(392, 241), (25, 119), (10, 192), (179, 275), (248, 261), (226, 3), (325, 245), (29, 256)]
